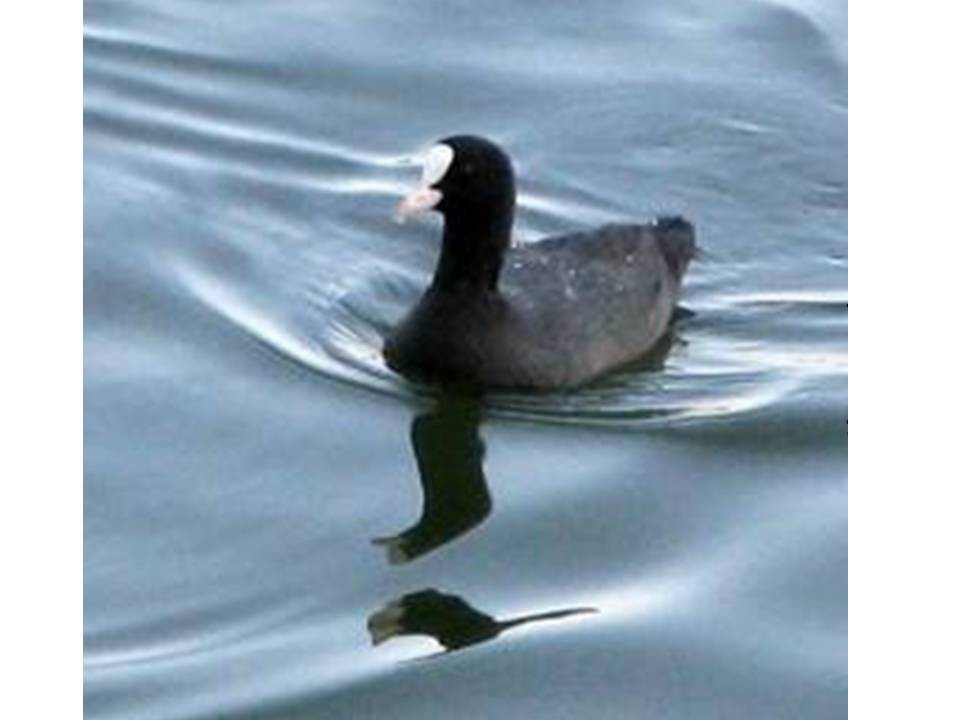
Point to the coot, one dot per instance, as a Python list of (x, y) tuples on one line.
[(551, 314)]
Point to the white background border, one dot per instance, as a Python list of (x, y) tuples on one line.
[(41, 206), (904, 262)]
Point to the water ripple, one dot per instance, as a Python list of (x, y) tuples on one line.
[(707, 374)]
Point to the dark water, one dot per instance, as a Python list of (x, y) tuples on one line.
[(681, 526)]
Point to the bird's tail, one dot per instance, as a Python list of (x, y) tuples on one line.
[(677, 240)]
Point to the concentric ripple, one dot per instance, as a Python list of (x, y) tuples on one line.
[(714, 364)]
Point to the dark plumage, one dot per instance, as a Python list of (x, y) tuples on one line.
[(552, 314)]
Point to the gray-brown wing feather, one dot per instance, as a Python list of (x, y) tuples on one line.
[(584, 303)]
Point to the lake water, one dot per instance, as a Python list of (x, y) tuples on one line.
[(264, 500)]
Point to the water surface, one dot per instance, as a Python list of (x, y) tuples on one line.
[(264, 500)]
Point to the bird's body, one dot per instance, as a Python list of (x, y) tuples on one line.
[(551, 314), (566, 310)]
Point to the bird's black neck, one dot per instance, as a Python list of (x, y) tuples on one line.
[(472, 252)]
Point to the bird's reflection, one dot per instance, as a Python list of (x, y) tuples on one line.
[(449, 619), (449, 453)]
